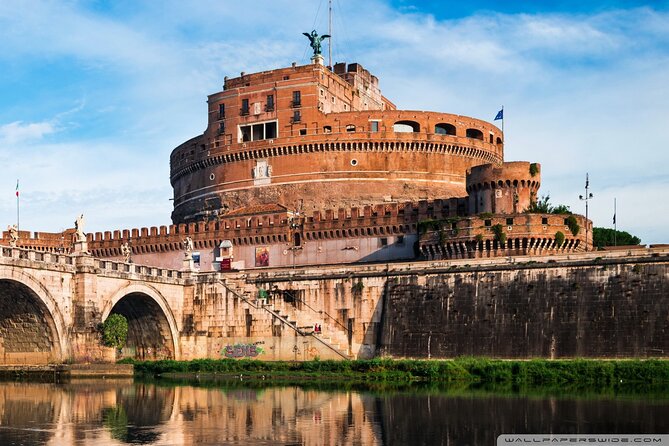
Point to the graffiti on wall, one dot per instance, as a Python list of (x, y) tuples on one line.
[(243, 350)]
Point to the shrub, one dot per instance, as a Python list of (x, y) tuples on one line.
[(559, 238), (498, 230), (534, 169), (115, 331), (573, 225)]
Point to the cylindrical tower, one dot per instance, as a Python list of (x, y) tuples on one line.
[(325, 139), (508, 188)]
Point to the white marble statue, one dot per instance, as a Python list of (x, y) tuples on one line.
[(188, 246), (13, 235), (126, 252), (79, 228)]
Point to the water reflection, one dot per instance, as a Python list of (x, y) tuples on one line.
[(126, 412)]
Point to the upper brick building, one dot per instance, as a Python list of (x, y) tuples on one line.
[(322, 138), (313, 165)]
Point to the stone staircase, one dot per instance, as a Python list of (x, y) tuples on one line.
[(299, 320)]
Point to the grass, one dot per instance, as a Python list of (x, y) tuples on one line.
[(466, 370)]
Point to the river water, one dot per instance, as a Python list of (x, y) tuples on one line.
[(117, 412)]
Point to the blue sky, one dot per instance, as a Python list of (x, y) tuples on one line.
[(94, 95)]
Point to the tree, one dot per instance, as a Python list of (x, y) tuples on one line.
[(115, 331), (605, 237), (543, 206)]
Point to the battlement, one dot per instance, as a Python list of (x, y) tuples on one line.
[(504, 235)]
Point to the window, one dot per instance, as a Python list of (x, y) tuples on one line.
[(303, 132), (297, 99), (297, 117), (374, 126), (327, 129), (221, 127), (350, 128), (475, 133), (400, 240), (544, 221), (487, 223), (406, 127), (269, 106), (221, 111), (257, 132), (444, 129), (245, 107), (383, 241), (509, 221)]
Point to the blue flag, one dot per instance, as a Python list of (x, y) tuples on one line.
[(500, 115)]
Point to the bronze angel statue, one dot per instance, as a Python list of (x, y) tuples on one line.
[(315, 41)]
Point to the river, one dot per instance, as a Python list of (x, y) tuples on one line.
[(117, 412)]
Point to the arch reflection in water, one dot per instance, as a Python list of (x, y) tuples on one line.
[(123, 412)]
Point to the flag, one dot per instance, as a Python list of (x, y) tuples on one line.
[(614, 219), (17, 188), (500, 115)]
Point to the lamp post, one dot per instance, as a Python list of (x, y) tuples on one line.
[(588, 196)]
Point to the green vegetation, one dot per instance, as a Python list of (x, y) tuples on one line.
[(429, 225), (498, 230), (573, 225), (535, 372), (559, 238), (115, 331), (605, 237), (534, 169), (543, 206), (357, 287)]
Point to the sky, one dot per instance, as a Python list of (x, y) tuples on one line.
[(94, 95)]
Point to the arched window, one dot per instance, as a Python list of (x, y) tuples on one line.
[(406, 127), (475, 133), (444, 129), (350, 128)]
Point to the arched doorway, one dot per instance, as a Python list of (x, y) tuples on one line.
[(149, 330), (28, 333)]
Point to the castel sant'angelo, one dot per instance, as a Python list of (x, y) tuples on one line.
[(311, 164)]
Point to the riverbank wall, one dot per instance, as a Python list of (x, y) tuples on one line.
[(591, 306)]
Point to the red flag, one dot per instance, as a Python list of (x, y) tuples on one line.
[(17, 188)]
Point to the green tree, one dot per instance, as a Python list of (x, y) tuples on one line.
[(115, 331), (543, 206), (605, 237)]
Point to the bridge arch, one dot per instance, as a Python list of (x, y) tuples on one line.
[(32, 327), (152, 327)]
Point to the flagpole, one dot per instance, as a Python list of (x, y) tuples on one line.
[(615, 223), (18, 221), (503, 122)]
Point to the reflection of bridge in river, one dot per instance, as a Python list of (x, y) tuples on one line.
[(123, 412)]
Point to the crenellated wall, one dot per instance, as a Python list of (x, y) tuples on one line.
[(526, 234)]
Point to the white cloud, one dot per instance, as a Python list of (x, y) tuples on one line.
[(19, 132), (582, 93)]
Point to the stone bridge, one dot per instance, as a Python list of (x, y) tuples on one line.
[(52, 306), (603, 304)]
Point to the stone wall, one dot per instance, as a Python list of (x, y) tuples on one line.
[(601, 309)]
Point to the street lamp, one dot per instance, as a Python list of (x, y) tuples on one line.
[(588, 196)]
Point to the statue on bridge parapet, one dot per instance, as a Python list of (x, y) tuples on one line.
[(79, 228), (188, 247), (126, 252), (13, 235)]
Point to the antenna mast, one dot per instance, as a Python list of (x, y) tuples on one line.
[(330, 33)]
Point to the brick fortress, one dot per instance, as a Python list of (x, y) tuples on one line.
[(311, 165)]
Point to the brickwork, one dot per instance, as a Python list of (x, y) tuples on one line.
[(326, 139)]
